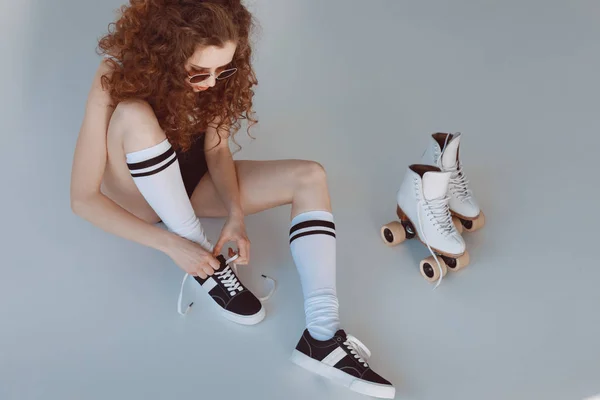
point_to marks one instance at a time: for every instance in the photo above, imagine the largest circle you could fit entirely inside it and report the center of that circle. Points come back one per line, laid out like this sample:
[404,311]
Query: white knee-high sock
[156,173]
[313,246]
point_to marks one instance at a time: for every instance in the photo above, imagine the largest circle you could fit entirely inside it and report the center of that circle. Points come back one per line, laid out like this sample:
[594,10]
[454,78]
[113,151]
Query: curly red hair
[153,39]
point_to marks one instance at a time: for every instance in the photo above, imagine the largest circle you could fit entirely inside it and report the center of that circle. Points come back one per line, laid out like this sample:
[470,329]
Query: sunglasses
[198,78]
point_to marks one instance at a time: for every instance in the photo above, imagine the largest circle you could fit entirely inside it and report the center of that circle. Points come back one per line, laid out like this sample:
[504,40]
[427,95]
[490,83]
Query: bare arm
[88,202]
[222,170]
[89,163]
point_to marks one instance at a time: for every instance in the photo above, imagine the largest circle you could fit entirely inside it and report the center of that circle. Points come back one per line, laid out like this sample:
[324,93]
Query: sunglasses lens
[199,78]
[227,73]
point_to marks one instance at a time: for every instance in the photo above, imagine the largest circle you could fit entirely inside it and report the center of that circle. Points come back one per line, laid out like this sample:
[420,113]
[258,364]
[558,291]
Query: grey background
[357,86]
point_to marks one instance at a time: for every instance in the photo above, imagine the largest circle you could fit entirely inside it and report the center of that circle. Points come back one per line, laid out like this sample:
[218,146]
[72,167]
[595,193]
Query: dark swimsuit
[192,164]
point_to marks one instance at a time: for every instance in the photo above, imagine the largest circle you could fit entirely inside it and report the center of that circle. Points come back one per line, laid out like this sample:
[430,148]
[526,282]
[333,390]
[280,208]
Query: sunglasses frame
[209,74]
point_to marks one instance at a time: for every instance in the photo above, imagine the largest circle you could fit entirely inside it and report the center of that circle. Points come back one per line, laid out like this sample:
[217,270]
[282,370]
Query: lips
[202,88]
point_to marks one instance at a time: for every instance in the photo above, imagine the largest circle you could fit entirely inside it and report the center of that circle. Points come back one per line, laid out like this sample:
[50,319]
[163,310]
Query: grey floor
[358,86]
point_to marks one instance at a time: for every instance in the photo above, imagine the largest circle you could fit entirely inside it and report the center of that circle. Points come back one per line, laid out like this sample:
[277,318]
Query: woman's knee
[135,126]
[311,173]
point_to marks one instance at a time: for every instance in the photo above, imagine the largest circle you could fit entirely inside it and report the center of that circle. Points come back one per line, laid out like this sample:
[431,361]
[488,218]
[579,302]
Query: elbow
[80,203]
[77,205]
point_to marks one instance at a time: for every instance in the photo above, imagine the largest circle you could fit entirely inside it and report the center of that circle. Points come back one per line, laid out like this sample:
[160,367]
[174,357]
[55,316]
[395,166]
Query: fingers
[204,271]
[213,263]
[243,247]
[208,265]
[201,274]
[244,251]
[220,243]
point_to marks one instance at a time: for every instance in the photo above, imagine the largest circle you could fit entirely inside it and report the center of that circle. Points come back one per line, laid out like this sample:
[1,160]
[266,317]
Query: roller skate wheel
[430,270]
[454,264]
[393,233]
[476,224]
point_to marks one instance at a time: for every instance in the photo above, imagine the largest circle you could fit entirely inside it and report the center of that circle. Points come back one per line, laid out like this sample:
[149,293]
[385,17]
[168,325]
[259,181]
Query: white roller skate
[422,206]
[443,152]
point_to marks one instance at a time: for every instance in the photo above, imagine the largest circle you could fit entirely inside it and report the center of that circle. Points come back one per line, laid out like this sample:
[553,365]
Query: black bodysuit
[192,164]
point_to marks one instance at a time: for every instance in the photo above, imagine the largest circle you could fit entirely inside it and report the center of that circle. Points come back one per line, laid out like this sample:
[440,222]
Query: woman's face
[209,60]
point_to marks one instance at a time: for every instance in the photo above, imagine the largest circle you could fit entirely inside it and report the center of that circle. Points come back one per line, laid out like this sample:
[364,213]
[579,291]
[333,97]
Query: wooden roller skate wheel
[393,233]
[430,270]
[475,224]
[454,264]
[458,224]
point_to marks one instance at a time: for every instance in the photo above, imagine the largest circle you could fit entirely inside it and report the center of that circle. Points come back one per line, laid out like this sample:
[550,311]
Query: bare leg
[268,184]
[117,184]
[155,178]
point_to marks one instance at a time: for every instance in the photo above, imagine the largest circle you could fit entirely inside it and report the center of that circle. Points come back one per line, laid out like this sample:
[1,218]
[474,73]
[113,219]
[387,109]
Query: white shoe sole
[244,319]
[351,382]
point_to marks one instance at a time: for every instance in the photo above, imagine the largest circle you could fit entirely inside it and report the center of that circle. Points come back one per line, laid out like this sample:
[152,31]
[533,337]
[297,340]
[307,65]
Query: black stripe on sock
[156,171]
[153,161]
[309,224]
[312,233]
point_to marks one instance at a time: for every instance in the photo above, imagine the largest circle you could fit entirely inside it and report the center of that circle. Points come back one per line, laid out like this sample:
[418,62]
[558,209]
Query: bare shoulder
[133,113]
[136,123]
[135,110]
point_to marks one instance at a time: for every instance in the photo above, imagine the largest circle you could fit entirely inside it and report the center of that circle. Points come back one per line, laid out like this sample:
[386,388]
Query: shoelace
[439,210]
[358,349]
[460,184]
[458,181]
[268,278]
[229,280]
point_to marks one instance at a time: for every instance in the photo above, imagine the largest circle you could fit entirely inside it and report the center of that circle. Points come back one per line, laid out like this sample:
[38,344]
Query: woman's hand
[234,230]
[192,258]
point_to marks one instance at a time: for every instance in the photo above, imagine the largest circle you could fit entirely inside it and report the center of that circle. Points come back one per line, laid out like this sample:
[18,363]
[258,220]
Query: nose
[211,81]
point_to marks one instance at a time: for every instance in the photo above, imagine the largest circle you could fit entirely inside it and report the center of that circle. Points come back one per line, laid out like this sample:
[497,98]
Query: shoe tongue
[450,154]
[435,184]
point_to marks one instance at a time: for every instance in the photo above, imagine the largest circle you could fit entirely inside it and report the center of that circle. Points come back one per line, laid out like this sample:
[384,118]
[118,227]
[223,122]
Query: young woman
[154,146]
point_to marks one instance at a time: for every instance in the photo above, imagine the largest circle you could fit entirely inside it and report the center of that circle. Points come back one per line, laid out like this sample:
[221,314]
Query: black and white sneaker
[343,359]
[237,303]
